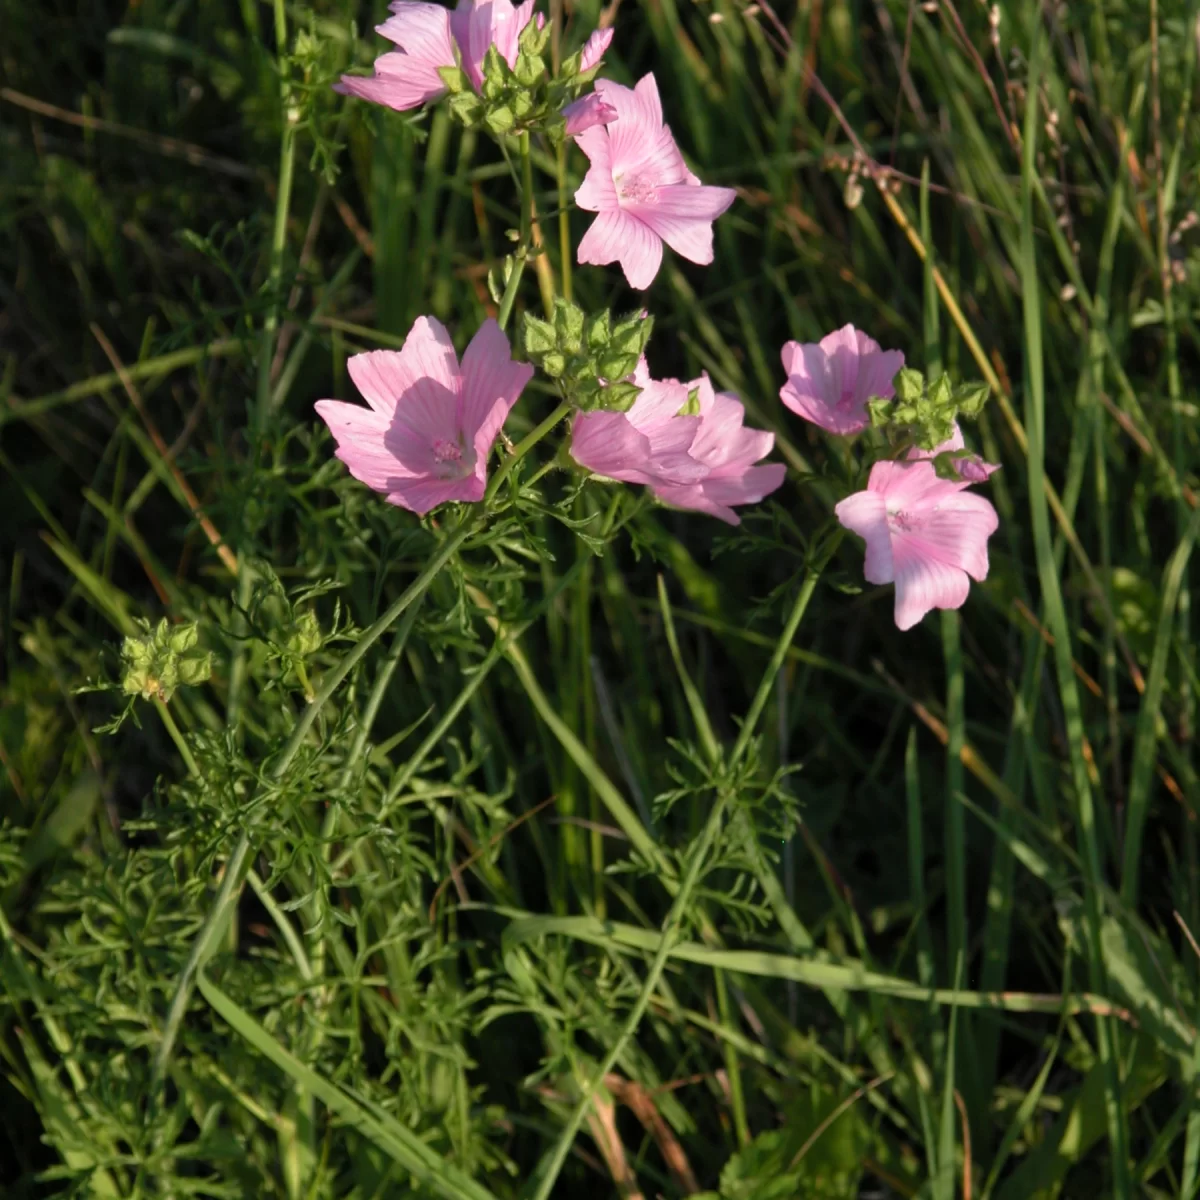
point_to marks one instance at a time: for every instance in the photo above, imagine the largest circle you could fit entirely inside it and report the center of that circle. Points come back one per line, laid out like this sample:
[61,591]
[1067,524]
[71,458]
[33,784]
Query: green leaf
[401,1144]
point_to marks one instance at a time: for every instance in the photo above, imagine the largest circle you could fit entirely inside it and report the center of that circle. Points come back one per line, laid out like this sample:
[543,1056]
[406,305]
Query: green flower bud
[568,325]
[500,120]
[598,330]
[540,337]
[879,410]
[466,107]
[909,385]
[305,638]
[157,662]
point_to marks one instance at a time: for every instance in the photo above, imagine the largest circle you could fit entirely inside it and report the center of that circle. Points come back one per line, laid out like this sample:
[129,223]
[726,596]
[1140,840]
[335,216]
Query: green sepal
[455,79]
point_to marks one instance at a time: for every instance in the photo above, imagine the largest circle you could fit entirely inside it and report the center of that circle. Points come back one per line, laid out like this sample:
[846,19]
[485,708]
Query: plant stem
[510,290]
[699,852]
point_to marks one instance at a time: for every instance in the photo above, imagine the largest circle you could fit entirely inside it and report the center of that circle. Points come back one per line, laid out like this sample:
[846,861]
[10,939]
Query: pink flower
[431,424]
[426,35]
[830,381]
[971,468]
[587,111]
[925,534]
[703,462]
[641,189]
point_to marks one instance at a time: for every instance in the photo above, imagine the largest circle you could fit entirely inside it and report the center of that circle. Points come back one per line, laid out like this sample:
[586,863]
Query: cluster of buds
[162,659]
[924,412]
[592,356]
[524,96]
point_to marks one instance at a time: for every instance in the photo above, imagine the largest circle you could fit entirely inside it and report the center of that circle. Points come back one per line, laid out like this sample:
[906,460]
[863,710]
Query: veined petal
[391,89]
[865,513]
[359,433]
[491,384]
[594,48]
[682,216]
[923,584]
[954,533]
[616,236]
[596,192]
[422,495]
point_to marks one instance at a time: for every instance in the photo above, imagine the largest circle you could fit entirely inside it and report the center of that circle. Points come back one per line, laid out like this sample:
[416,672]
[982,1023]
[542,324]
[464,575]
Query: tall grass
[549,869]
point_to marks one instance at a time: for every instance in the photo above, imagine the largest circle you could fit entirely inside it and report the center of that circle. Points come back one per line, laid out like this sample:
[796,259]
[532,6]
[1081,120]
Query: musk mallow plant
[432,419]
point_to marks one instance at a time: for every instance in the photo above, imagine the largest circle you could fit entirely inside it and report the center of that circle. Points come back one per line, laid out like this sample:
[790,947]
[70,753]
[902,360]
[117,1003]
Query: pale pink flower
[642,190]
[971,468]
[431,424]
[830,381]
[587,111]
[925,534]
[648,444]
[704,462]
[425,36]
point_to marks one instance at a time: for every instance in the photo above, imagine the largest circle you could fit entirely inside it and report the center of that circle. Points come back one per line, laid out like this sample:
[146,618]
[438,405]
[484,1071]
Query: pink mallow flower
[704,462]
[425,37]
[431,424]
[830,381]
[927,535]
[641,189]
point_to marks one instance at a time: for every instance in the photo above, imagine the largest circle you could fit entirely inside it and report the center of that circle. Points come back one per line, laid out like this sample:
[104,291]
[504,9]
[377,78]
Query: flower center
[450,461]
[901,522]
[639,189]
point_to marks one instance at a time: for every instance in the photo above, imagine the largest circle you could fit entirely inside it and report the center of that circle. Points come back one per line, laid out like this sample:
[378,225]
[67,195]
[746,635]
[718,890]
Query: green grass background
[945,943]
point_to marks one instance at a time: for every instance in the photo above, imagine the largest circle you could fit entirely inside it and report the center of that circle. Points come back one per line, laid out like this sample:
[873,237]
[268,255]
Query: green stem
[564,225]
[283,202]
[699,853]
[510,290]
[185,750]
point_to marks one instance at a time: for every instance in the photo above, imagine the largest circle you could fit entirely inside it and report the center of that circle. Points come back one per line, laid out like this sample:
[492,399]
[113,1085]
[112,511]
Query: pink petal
[359,433]
[954,533]
[422,495]
[922,584]
[581,115]
[491,383]
[641,144]
[608,444]
[390,90]
[595,48]
[597,192]
[658,402]
[615,236]
[408,77]
[718,496]
[865,513]
[381,376]
[830,382]
[682,216]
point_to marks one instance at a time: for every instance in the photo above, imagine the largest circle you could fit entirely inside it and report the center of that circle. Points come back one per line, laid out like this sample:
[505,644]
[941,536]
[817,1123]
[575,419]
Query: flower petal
[422,495]
[408,77]
[616,236]
[491,384]
[865,513]
[922,584]
[682,216]
[580,116]
[594,48]
[359,433]
[596,193]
